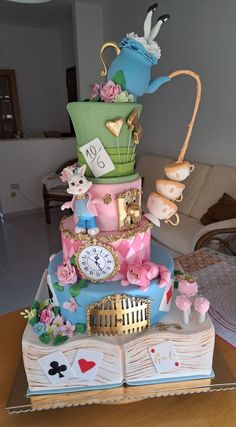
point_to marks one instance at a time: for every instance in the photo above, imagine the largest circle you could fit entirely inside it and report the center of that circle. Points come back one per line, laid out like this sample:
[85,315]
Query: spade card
[164,357]
[56,367]
[86,364]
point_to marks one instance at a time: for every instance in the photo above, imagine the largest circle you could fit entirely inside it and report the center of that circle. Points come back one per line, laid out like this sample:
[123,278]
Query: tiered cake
[95,322]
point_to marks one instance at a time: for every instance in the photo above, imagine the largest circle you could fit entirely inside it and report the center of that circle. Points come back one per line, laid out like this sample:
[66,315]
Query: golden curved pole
[105,46]
[195,110]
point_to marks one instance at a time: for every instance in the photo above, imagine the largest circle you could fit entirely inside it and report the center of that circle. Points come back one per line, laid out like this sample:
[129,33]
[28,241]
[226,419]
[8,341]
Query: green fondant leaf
[33,321]
[35,305]
[60,339]
[56,310]
[75,290]
[119,79]
[45,338]
[80,327]
[58,287]
[72,261]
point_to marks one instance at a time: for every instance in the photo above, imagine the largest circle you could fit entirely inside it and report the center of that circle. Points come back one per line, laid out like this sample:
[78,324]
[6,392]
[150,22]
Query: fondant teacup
[162,208]
[170,189]
[178,171]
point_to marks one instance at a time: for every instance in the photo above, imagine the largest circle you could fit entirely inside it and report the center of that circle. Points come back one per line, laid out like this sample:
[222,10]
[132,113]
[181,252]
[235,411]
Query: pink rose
[66,274]
[109,90]
[46,316]
[95,90]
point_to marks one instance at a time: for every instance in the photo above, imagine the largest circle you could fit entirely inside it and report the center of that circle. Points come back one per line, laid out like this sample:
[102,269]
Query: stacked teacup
[161,205]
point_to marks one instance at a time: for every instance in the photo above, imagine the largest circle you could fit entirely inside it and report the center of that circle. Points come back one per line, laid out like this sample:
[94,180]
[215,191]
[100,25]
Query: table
[206,409]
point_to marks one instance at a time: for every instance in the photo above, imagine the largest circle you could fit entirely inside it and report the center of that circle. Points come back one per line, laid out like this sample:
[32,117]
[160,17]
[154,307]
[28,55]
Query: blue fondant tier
[94,292]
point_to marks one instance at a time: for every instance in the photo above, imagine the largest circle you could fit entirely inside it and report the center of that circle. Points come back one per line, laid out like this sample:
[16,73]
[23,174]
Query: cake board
[19,403]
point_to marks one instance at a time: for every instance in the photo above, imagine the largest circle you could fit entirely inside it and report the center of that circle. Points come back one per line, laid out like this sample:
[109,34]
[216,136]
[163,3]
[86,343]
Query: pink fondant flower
[109,90]
[47,316]
[66,274]
[96,90]
[71,305]
[68,329]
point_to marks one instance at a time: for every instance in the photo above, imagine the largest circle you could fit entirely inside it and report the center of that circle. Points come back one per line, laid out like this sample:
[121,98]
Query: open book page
[191,355]
[92,363]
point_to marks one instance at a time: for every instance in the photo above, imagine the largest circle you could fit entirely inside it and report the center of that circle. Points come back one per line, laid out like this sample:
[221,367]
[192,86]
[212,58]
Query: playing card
[164,357]
[56,367]
[167,297]
[86,364]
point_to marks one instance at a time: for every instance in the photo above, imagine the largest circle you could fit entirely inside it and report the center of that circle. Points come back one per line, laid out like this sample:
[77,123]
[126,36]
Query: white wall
[88,32]
[39,57]
[26,162]
[199,36]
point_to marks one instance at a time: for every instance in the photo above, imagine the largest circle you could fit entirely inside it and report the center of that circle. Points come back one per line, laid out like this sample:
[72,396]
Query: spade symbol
[56,369]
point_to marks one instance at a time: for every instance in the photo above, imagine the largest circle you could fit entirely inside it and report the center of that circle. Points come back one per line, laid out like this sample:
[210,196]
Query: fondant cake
[95,322]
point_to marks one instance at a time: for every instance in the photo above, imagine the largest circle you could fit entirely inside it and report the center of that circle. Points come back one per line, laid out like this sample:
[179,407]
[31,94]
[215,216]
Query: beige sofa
[204,187]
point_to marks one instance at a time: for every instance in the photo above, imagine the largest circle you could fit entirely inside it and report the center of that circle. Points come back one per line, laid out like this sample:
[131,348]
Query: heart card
[86,364]
[56,367]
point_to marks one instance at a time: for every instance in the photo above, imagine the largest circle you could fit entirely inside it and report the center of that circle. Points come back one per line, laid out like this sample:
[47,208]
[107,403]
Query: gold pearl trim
[113,237]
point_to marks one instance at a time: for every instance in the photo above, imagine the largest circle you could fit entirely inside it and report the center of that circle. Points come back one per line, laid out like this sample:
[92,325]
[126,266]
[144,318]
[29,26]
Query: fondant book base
[165,353]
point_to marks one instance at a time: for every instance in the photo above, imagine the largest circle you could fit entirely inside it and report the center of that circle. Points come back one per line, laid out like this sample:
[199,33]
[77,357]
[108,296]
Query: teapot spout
[155,84]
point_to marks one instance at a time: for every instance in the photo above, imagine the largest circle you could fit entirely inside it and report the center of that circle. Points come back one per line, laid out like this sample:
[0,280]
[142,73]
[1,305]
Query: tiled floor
[26,242]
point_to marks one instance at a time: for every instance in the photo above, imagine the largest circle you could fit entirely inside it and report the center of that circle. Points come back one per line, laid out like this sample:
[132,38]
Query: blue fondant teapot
[135,58]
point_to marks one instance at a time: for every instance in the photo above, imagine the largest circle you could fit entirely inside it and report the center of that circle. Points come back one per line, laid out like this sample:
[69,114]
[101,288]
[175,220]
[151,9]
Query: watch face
[97,262]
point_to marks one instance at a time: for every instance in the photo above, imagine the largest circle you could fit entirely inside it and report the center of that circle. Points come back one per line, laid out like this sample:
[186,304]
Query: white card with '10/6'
[97,158]
[164,357]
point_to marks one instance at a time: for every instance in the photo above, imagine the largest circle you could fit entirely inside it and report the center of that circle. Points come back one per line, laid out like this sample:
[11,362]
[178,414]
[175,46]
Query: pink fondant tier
[128,244]
[106,202]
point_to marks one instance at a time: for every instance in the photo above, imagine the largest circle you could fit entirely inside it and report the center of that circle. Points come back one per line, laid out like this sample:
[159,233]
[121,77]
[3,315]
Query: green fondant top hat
[112,124]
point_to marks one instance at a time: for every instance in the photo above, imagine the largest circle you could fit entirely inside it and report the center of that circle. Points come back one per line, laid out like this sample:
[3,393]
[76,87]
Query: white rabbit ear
[158,25]
[69,172]
[82,170]
[148,21]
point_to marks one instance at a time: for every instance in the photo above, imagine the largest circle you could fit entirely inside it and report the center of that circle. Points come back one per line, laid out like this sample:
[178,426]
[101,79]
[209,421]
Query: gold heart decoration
[115,126]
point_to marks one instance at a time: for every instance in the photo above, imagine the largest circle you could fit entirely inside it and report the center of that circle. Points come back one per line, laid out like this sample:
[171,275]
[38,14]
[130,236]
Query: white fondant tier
[128,245]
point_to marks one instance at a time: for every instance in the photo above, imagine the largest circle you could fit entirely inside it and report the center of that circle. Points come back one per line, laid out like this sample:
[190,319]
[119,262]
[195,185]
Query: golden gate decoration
[118,315]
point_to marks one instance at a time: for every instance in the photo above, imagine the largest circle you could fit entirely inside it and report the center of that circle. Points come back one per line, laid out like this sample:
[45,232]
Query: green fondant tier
[121,169]
[115,180]
[116,158]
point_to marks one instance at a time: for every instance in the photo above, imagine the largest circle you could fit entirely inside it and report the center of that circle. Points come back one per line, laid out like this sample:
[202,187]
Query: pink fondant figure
[201,305]
[82,204]
[184,303]
[188,286]
[141,274]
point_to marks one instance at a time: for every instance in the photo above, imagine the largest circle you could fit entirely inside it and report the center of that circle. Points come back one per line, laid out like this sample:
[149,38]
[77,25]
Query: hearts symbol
[86,365]
[114,126]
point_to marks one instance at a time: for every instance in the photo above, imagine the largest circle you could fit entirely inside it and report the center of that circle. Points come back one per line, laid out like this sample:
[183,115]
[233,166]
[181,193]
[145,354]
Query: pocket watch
[97,261]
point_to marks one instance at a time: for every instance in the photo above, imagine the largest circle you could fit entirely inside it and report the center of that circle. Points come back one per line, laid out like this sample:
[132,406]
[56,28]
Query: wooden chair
[57,194]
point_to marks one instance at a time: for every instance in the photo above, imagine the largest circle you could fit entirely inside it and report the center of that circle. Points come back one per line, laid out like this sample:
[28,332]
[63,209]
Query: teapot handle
[105,46]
